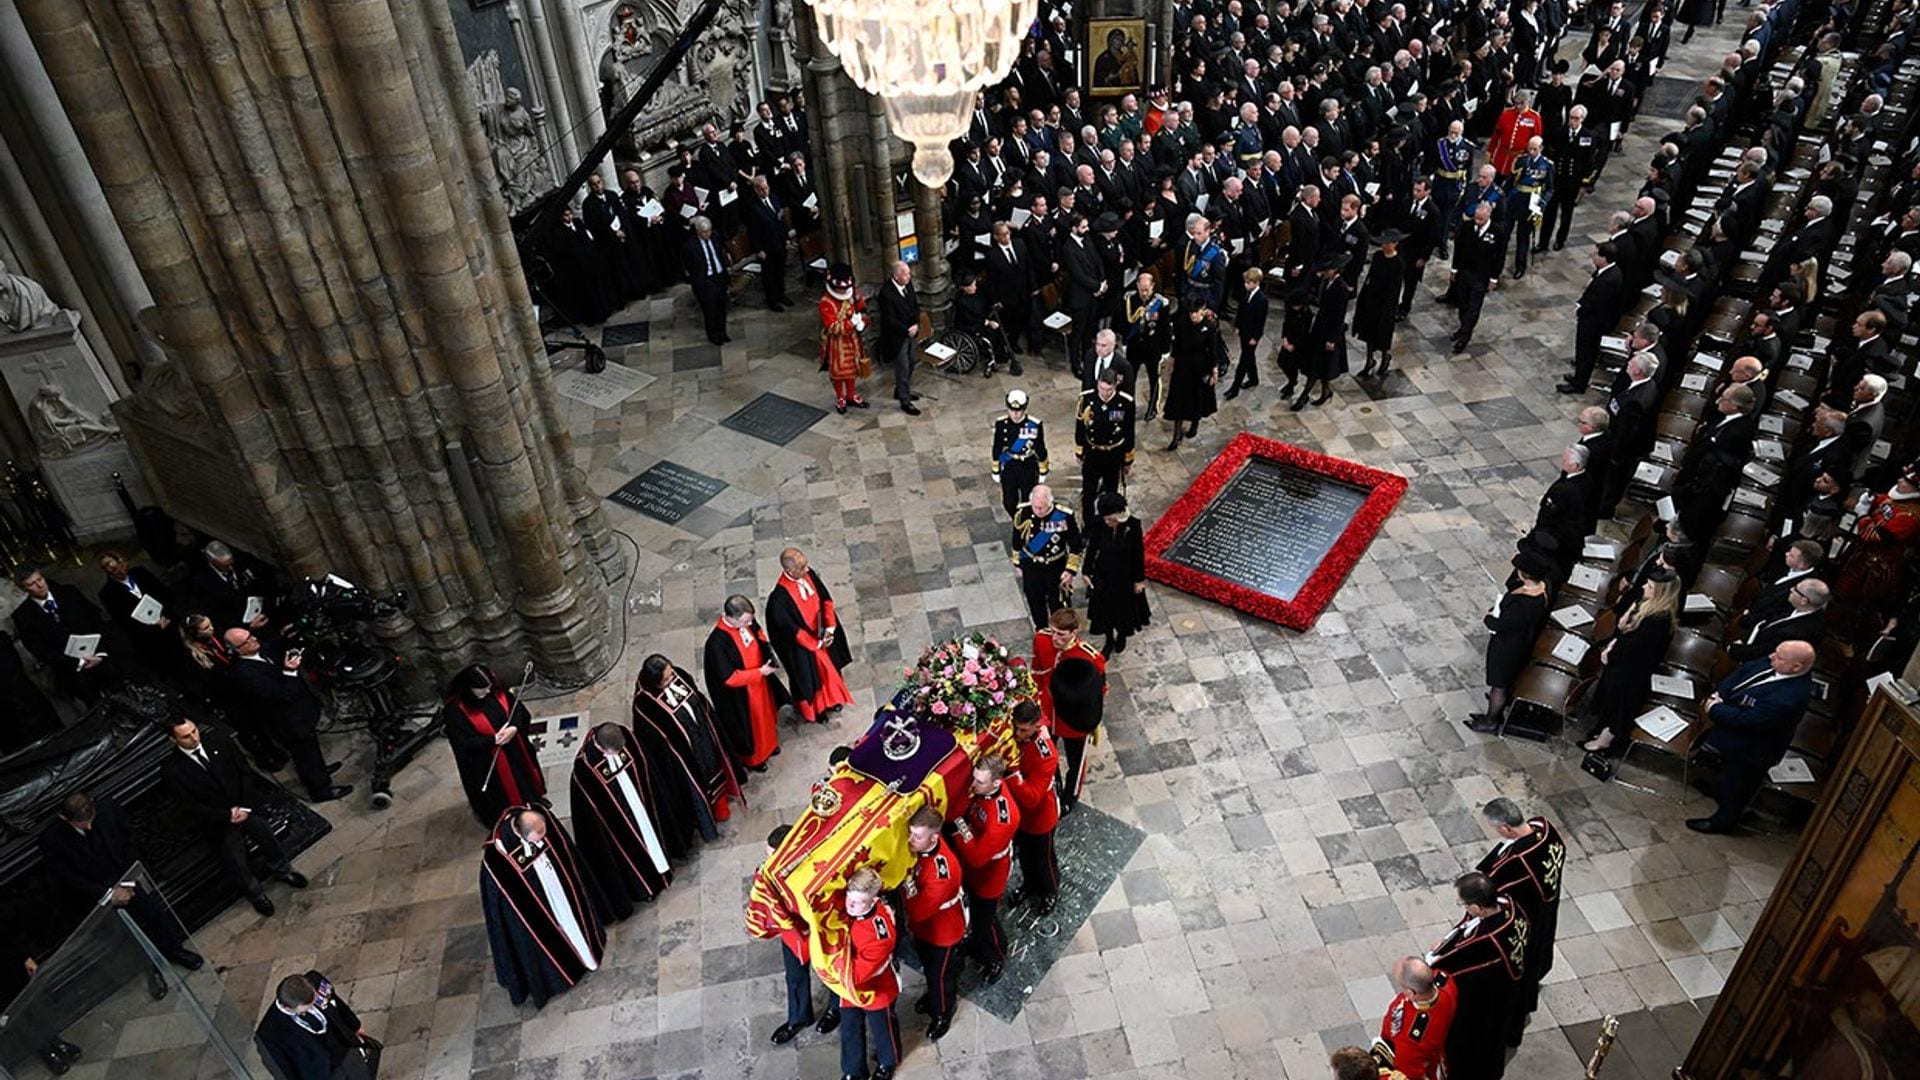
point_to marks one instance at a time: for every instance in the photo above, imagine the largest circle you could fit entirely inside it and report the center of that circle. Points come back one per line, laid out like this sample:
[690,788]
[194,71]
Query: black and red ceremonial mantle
[1299,611]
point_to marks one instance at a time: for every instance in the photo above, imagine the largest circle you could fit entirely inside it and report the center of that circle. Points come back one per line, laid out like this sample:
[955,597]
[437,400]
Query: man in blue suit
[1754,713]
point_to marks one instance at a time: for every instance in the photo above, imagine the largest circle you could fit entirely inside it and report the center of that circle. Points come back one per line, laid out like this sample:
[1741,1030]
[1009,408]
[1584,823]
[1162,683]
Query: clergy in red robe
[488,732]
[673,722]
[749,700]
[545,913]
[805,631]
[1484,956]
[613,818]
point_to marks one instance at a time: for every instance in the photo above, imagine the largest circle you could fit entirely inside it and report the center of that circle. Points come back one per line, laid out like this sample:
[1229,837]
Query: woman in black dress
[1639,644]
[1197,360]
[1294,328]
[1515,620]
[1326,345]
[1379,300]
[1116,571]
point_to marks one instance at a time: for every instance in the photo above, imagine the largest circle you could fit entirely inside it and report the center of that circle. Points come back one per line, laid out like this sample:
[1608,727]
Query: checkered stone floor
[1305,799]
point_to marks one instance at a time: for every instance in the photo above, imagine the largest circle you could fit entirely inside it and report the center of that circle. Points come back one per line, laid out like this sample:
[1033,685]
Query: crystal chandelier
[925,59]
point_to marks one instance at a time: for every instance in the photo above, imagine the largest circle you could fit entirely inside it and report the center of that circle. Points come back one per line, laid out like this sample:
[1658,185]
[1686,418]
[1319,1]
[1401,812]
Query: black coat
[1115,560]
[783,624]
[160,646]
[1478,254]
[1601,301]
[29,716]
[766,230]
[1627,677]
[899,318]
[208,795]
[284,699]
[1080,265]
[1326,343]
[1379,300]
[84,866]
[1514,629]
[291,1052]
[1197,353]
[223,601]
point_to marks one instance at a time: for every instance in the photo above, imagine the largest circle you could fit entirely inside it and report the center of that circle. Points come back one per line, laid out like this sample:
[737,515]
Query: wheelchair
[986,351]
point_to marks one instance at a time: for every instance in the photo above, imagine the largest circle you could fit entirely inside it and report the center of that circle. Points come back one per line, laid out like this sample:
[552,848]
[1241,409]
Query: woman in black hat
[1115,567]
[1515,619]
[1379,300]
[1198,360]
[1294,328]
[1326,345]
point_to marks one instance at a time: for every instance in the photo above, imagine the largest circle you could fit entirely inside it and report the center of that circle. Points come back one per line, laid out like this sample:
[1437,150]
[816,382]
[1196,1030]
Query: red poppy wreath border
[1299,613]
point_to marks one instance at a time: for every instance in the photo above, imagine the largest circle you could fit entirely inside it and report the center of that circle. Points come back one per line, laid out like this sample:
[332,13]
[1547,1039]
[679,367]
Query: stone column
[852,158]
[306,189]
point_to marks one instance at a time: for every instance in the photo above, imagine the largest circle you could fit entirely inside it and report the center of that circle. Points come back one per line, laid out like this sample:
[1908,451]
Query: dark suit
[1011,278]
[1796,487]
[706,266]
[159,646]
[1709,470]
[1815,238]
[288,708]
[1598,313]
[899,324]
[208,795]
[45,636]
[1771,601]
[1762,635]
[767,234]
[1864,425]
[83,865]
[1303,243]
[1477,258]
[1633,409]
[1080,266]
[1249,326]
[1752,727]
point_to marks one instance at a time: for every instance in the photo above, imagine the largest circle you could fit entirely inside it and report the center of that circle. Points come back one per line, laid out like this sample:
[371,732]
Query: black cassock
[293,1051]
[784,624]
[533,956]
[719,660]
[687,764]
[1486,963]
[515,768]
[1528,872]
[614,812]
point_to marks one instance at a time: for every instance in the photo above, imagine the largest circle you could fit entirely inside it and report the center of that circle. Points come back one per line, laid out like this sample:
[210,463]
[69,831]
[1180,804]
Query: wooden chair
[1555,638]
[1741,541]
[1719,584]
[1693,652]
[1548,690]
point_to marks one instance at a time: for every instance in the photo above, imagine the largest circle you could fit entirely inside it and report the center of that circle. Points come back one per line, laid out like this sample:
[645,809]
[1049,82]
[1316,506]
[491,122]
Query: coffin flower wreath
[967,683]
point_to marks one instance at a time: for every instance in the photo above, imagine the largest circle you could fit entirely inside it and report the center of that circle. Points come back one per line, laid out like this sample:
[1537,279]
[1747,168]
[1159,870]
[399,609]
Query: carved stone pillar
[852,157]
[306,189]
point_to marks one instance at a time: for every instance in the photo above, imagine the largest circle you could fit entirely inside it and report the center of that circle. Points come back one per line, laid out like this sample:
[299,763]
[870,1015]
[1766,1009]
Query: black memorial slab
[776,419]
[668,492]
[1269,527]
[1092,848]
[633,333]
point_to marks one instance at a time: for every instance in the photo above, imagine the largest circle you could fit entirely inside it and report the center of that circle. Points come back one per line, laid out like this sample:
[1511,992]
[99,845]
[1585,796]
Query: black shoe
[938,1027]
[828,1023]
[840,407]
[55,1064]
[1153,414]
[66,1049]
[757,768]
[1043,905]
[156,985]
[1568,387]
[859,403]
[1519,272]
[884,1072]
[922,1007]
[911,396]
[1287,390]
[260,903]
[1559,245]
[994,971]
[186,957]
[1076,371]
[1326,395]
[338,791]
[1175,444]
[909,408]
[1015,367]
[334,767]
[1233,392]
[1707,825]
[1193,430]
[784,1034]
[1299,402]
[1483,723]
[292,877]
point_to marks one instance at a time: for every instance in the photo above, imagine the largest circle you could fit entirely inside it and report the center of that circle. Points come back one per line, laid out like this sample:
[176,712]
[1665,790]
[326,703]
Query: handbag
[1599,766]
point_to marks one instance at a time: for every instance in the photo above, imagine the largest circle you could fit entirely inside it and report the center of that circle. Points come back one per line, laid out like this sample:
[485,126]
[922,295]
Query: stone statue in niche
[723,55]
[711,83]
[24,305]
[513,132]
[60,428]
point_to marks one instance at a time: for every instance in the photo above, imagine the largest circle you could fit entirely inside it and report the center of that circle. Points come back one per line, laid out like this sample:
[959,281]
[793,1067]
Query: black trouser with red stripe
[858,1027]
[1039,870]
[942,969]
[1073,759]
[985,941]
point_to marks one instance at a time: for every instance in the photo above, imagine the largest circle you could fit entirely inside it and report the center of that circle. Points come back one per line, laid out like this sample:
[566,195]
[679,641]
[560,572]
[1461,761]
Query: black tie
[200,757]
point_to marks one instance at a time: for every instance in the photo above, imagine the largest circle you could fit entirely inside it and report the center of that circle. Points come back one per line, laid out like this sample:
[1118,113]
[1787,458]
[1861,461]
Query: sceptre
[512,701]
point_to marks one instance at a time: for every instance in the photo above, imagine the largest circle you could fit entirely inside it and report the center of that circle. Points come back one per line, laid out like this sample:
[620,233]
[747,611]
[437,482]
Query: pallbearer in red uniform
[545,915]
[498,767]
[872,935]
[614,806]
[1526,868]
[1034,790]
[805,631]
[1413,1034]
[673,722]
[1484,956]
[795,950]
[983,838]
[749,700]
[1083,686]
[936,918]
